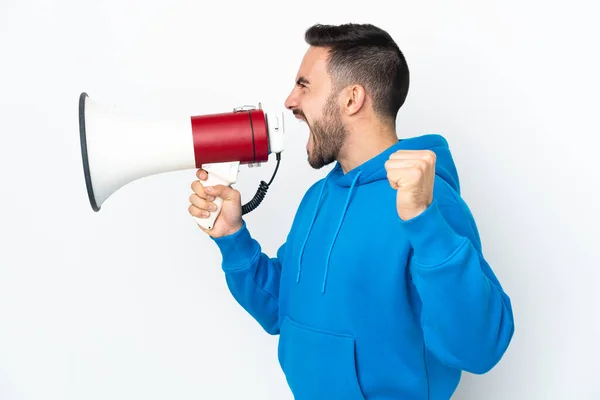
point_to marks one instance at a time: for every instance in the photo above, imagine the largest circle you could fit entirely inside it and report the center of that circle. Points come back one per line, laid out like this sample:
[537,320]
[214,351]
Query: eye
[302,82]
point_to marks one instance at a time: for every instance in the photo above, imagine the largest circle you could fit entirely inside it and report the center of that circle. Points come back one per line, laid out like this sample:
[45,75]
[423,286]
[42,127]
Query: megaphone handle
[209,222]
[218,174]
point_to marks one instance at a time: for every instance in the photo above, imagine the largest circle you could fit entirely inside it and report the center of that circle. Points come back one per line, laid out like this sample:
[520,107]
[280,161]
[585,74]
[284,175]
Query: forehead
[314,66]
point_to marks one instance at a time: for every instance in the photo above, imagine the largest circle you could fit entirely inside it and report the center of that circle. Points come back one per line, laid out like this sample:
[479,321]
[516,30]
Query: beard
[328,134]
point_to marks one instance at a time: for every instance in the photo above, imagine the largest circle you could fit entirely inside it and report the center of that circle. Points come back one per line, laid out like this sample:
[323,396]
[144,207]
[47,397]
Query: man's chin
[316,163]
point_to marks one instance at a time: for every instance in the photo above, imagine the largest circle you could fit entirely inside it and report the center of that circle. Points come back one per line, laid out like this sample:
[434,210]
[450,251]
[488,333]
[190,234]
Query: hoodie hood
[374,170]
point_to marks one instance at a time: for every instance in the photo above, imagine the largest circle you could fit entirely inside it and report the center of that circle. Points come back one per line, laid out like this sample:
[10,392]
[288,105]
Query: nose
[291,102]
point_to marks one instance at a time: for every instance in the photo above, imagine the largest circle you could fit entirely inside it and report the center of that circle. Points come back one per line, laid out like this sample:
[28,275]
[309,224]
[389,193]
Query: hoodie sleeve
[252,277]
[466,316]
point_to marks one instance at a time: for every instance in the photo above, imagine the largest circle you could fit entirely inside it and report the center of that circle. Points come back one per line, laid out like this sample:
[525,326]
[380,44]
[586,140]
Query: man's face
[313,101]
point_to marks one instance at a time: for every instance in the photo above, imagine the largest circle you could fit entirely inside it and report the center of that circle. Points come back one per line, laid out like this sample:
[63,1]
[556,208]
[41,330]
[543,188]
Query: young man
[381,290]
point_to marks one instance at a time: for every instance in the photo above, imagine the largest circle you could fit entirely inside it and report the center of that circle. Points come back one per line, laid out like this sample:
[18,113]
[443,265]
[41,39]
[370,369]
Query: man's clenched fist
[412,173]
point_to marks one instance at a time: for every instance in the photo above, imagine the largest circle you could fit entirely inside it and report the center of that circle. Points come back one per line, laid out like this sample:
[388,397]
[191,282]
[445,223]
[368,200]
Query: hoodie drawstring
[338,229]
[311,226]
[352,186]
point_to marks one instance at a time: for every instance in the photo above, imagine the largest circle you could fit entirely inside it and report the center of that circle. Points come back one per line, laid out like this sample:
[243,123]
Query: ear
[354,99]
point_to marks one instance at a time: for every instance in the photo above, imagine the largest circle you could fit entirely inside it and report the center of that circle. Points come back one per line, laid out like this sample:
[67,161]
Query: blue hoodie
[369,306]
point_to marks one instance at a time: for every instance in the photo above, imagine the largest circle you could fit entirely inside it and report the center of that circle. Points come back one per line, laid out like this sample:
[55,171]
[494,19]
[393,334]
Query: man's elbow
[272,329]
[488,355]
[270,325]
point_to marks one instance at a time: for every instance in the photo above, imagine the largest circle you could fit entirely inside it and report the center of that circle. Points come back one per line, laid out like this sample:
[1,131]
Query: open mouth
[300,118]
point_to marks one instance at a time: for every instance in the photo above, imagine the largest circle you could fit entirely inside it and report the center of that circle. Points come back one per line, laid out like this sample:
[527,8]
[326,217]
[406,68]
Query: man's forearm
[252,277]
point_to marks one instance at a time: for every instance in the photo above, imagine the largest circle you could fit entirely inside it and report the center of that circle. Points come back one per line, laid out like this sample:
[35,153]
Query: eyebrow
[302,80]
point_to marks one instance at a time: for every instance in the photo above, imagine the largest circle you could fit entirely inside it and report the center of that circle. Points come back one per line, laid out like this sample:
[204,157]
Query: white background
[130,303]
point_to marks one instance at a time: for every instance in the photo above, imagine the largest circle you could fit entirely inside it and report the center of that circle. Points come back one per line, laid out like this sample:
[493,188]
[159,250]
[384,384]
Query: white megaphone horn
[117,149]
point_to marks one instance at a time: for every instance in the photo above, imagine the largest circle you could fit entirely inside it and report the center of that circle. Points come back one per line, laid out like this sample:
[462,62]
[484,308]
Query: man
[380,290]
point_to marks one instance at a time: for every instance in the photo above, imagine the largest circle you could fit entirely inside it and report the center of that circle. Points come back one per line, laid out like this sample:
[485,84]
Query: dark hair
[367,55]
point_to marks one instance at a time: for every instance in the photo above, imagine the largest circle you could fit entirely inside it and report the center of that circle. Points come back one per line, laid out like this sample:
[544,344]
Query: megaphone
[117,148]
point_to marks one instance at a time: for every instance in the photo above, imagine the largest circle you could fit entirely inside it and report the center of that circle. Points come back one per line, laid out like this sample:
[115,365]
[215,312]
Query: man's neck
[360,147]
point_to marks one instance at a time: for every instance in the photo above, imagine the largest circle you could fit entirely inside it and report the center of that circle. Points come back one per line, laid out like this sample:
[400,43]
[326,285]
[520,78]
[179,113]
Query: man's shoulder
[446,193]
[307,202]
[312,191]
[455,209]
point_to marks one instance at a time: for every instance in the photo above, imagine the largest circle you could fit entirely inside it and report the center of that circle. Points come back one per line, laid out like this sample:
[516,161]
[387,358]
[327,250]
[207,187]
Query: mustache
[299,113]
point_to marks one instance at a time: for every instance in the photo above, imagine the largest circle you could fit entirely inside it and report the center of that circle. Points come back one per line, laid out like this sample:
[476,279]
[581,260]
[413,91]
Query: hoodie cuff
[432,238]
[238,249]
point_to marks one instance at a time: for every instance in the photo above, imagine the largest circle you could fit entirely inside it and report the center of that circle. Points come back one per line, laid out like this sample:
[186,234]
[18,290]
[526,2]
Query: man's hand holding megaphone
[202,204]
